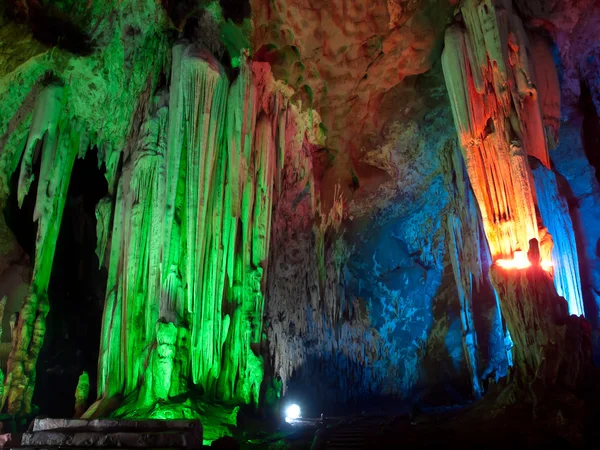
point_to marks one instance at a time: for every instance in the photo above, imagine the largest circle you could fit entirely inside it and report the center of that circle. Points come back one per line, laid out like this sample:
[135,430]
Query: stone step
[49,434]
[98,439]
[48,424]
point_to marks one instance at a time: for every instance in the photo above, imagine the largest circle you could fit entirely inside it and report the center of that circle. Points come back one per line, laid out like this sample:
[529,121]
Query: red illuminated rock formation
[492,86]
[343,57]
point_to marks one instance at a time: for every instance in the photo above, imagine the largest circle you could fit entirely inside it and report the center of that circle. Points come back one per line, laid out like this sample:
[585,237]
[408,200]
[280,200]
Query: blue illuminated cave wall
[576,160]
[386,322]
[390,326]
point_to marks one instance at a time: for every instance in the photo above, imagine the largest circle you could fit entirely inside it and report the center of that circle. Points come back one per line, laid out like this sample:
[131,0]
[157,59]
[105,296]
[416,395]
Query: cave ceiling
[315,186]
[357,63]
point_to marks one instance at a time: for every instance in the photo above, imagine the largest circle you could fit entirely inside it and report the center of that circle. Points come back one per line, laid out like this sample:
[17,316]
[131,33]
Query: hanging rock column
[492,68]
[190,237]
[497,117]
[60,144]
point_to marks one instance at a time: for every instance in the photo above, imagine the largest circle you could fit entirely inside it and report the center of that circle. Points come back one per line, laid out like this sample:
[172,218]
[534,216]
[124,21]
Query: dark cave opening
[76,294]
[591,129]
[77,286]
[20,220]
[236,10]
[51,25]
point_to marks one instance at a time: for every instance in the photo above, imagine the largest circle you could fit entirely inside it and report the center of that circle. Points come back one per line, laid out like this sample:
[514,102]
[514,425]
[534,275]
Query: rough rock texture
[288,209]
[342,57]
[491,83]
[553,350]
[389,278]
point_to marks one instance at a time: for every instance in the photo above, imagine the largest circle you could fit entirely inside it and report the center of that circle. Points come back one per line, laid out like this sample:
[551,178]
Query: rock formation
[345,202]
[553,350]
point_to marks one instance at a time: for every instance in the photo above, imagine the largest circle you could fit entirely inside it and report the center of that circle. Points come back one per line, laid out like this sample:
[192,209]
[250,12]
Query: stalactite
[103,216]
[490,80]
[130,315]
[305,283]
[61,140]
[190,237]
[204,92]
[45,120]
[548,87]
[505,99]
[464,245]
[470,258]
[555,214]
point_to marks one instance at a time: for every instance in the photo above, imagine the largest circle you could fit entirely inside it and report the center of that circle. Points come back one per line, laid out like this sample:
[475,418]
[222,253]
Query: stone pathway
[111,434]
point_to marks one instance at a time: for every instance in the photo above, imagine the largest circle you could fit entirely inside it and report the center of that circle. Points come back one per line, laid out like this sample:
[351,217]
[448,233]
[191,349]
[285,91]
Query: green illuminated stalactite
[100,95]
[130,315]
[110,369]
[61,141]
[103,216]
[205,83]
[190,238]
[185,232]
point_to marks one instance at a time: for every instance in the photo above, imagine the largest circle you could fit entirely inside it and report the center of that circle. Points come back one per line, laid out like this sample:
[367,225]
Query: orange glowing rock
[490,79]
[520,261]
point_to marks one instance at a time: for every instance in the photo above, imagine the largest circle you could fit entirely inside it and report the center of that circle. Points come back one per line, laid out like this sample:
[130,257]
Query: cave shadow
[443,375]
[333,385]
[585,269]
[76,295]
[590,128]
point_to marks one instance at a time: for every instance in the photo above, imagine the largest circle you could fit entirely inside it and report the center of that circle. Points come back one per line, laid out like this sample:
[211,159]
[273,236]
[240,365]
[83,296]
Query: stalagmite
[552,349]
[82,393]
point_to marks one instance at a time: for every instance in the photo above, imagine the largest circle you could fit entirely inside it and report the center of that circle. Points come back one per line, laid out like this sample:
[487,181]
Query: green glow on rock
[185,228]
[189,246]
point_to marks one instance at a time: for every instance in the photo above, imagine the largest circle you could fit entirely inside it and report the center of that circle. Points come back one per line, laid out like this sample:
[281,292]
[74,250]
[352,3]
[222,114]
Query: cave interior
[300,224]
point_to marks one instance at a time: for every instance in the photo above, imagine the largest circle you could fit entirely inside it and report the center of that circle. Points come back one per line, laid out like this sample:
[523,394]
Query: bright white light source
[292,412]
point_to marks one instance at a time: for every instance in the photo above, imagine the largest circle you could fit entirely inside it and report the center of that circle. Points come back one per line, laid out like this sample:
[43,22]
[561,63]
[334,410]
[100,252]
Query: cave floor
[479,426]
